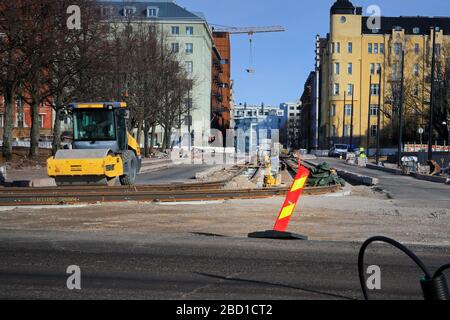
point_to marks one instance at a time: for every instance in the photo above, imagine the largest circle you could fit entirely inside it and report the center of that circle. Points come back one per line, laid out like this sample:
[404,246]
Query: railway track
[207,191]
[43,196]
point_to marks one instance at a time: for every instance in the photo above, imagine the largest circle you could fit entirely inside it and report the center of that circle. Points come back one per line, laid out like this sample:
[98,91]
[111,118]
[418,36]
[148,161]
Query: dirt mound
[240,182]
[21,160]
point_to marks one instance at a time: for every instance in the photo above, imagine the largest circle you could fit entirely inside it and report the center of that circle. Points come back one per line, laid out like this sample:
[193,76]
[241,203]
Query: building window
[416,30]
[189,48]
[350,47]
[336,89]
[20,120]
[347,130]
[333,110]
[372,68]
[190,31]
[438,49]
[106,11]
[373,110]
[42,121]
[333,131]
[375,89]
[152,12]
[337,68]
[128,11]
[373,131]
[189,65]
[416,70]
[378,70]
[416,90]
[394,71]
[417,49]
[350,68]
[348,110]
[375,48]
[370,48]
[175,47]
[382,48]
[338,47]
[397,48]
[175,30]
[349,89]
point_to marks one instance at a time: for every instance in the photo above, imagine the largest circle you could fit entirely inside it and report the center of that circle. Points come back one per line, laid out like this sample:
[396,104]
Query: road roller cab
[102,149]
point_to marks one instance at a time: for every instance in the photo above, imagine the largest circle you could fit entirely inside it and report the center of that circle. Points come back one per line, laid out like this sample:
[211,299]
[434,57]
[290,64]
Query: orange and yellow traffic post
[288,209]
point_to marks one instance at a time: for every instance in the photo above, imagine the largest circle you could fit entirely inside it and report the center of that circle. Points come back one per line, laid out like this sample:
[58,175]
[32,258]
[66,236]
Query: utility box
[409,165]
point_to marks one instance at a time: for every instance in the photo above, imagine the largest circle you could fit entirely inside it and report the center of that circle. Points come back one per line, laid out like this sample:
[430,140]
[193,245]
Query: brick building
[22,120]
[221,82]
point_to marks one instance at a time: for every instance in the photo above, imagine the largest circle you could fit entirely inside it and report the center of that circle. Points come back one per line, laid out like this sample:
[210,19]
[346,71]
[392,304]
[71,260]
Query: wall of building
[348,28]
[221,82]
[254,122]
[21,130]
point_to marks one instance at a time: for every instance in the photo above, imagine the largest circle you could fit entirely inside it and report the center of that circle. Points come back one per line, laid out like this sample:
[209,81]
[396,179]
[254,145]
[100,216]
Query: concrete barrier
[48,182]
[436,179]
[358,178]
[384,169]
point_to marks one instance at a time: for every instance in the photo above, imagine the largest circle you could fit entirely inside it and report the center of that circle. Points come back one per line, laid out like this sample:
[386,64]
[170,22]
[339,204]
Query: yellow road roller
[102,150]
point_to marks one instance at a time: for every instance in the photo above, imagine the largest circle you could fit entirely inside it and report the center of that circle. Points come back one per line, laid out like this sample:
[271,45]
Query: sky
[282,61]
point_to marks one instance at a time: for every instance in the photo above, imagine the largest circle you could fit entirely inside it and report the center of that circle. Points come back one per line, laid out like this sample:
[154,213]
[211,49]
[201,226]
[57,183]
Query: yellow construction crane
[250,31]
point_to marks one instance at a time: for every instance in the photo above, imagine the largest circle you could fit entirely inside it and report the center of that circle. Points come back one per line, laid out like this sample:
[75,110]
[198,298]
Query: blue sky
[283,60]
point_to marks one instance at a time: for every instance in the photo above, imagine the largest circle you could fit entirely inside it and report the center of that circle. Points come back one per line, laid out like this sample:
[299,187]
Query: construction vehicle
[102,149]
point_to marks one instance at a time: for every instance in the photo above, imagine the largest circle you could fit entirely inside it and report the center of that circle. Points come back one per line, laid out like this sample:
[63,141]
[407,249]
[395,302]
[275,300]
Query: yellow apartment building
[360,70]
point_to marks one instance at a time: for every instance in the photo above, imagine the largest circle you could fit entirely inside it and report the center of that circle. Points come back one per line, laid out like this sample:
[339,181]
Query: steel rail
[61,198]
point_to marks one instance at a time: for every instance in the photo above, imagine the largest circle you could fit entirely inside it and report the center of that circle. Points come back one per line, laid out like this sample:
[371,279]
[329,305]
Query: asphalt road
[175,174]
[403,189]
[190,266]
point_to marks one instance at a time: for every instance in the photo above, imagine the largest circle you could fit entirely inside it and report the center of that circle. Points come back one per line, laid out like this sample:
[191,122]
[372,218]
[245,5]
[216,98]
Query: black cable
[394,243]
[441,270]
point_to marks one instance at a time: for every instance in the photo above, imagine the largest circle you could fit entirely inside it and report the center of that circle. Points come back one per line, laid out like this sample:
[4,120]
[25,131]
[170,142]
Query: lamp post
[351,122]
[368,115]
[400,134]
[378,119]
[431,115]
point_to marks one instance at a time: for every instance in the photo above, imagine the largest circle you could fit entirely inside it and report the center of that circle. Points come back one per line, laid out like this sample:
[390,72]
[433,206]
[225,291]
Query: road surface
[175,174]
[194,266]
[403,189]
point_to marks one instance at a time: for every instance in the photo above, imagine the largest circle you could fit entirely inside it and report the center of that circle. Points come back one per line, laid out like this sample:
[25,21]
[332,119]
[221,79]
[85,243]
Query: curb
[418,176]
[384,169]
[443,180]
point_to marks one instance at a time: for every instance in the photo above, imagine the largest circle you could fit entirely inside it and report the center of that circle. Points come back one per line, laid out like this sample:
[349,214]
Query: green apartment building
[187,34]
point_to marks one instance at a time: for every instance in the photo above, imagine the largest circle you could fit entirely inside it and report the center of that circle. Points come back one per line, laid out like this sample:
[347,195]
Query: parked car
[338,150]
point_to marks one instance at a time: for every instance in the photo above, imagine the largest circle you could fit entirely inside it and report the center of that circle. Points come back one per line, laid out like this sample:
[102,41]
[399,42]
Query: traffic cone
[288,209]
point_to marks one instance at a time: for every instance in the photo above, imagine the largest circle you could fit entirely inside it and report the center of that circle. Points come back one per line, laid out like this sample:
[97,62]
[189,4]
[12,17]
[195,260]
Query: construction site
[133,174]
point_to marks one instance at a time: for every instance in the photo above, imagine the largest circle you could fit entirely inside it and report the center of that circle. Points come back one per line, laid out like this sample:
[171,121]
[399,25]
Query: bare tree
[417,93]
[13,61]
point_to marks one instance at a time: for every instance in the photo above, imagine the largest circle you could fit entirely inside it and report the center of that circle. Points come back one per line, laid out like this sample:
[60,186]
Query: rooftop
[165,10]
[411,25]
